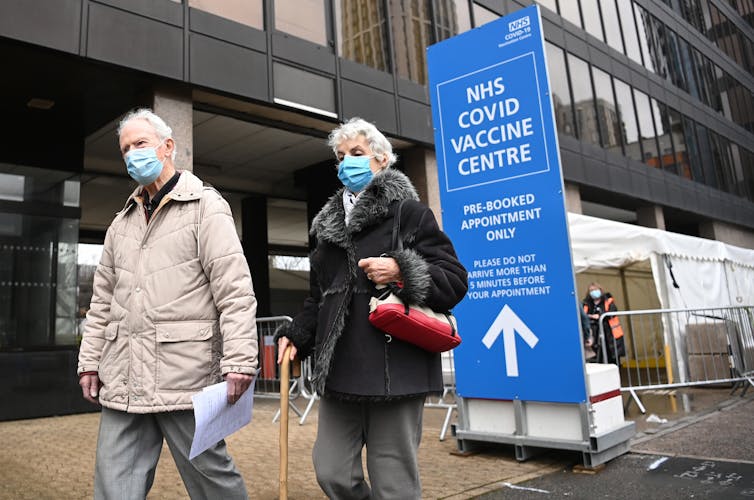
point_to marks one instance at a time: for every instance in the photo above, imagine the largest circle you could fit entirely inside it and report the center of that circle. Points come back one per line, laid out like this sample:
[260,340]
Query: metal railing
[267,384]
[672,348]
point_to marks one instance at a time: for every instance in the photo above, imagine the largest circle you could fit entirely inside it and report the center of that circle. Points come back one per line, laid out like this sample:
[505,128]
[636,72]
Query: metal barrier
[671,348]
[267,384]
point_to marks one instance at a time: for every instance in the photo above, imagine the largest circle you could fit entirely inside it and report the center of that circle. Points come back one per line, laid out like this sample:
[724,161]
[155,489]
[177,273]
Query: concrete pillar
[651,216]
[573,198]
[420,164]
[727,233]
[175,106]
[256,248]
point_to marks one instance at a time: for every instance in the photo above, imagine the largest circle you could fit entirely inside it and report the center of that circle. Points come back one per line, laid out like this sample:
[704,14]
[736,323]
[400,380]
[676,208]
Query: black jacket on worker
[353,359]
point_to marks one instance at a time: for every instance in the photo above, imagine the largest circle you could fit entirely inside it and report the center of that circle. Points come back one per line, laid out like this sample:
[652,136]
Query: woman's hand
[283,342]
[381,270]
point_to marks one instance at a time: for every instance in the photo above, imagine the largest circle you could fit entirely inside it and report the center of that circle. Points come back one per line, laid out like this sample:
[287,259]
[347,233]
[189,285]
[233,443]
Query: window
[361,28]
[628,28]
[302,18]
[452,18]
[692,146]
[483,16]
[612,24]
[592,21]
[248,12]
[675,125]
[626,113]
[37,258]
[607,113]
[561,95]
[412,33]
[583,100]
[643,29]
[570,11]
[647,129]
[707,160]
[668,158]
[549,4]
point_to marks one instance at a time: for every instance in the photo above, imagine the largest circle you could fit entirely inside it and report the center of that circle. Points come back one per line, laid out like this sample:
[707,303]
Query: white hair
[161,129]
[355,127]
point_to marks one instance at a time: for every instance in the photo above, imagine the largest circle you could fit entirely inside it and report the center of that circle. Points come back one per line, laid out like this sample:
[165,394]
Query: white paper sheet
[215,418]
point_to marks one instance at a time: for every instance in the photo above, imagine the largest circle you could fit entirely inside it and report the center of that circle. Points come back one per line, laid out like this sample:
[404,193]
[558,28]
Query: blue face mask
[354,172]
[595,294]
[143,166]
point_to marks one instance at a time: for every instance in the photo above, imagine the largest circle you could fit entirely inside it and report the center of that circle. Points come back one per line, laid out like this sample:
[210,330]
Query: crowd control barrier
[673,348]
[267,384]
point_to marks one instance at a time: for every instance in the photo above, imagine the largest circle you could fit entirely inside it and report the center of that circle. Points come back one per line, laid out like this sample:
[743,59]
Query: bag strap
[397,241]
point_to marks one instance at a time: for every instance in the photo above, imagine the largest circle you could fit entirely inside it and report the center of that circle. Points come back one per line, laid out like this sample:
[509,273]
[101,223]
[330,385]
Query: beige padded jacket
[173,306]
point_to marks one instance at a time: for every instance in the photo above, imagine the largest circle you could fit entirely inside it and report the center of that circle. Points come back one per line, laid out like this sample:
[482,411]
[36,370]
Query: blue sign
[501,190]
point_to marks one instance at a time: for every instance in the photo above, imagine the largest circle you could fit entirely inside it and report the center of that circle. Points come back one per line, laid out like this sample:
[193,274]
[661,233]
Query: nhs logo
[519,24]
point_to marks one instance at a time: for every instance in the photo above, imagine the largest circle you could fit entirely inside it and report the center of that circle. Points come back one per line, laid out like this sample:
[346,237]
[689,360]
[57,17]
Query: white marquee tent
[708,273]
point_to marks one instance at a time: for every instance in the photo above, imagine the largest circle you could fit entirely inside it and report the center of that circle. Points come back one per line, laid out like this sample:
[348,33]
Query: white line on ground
[514,487]
[657,463]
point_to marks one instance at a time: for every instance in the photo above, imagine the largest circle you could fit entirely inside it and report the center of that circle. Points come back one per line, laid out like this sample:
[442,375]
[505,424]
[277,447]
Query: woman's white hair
[161,128]
[355,127]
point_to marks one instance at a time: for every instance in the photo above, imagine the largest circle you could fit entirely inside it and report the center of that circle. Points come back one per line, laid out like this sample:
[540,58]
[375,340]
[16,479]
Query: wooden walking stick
[284,385]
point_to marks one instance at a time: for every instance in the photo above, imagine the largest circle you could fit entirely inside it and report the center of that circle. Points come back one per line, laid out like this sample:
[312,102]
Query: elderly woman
[372,386]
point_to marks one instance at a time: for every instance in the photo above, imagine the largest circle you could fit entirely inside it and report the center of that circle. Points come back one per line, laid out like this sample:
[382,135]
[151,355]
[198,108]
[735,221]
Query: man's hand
[237,385]
[90,386]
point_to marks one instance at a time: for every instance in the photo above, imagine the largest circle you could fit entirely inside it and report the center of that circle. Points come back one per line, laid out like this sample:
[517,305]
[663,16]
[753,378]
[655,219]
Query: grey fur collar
[389,186]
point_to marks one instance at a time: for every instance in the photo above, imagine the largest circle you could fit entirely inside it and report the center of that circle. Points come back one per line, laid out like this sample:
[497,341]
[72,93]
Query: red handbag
[421,326]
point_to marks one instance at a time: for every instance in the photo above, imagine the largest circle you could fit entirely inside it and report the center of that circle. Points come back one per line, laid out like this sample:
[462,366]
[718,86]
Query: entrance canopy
[688,271]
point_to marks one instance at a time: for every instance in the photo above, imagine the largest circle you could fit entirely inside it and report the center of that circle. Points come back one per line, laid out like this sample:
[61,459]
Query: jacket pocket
[108,362]
[184,354]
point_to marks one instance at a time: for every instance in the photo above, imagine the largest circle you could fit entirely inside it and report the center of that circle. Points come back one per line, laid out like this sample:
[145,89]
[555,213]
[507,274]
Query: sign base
[595,428]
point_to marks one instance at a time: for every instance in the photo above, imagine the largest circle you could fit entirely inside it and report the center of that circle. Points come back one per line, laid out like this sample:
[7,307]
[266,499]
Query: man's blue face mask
[354,172]
[143,165]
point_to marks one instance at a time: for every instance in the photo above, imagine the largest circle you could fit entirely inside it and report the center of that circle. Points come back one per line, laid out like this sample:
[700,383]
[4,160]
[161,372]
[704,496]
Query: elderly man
[173,311]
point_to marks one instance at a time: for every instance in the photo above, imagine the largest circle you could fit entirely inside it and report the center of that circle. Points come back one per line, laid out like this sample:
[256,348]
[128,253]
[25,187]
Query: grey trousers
[391,432]
[129,446]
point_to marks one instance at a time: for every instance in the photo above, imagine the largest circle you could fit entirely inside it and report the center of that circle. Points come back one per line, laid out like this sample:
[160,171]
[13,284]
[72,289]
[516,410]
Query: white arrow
[509,323]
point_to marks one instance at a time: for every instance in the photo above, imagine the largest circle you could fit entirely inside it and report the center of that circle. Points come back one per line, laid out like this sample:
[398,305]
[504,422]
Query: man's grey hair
[355,127]
[161,128]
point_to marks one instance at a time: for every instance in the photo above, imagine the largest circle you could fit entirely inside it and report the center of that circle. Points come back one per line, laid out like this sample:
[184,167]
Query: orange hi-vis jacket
[613,321]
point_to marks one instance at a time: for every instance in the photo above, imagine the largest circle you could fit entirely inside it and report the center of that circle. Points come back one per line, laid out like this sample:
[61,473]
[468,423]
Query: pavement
[707,447]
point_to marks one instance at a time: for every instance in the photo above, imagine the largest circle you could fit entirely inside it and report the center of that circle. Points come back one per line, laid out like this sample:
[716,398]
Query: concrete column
[651,216]
[256,248]
[727,233]
[573,198]
[175,106]
[420,165]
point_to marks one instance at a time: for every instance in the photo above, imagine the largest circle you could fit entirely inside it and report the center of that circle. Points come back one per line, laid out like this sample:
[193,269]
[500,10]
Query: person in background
[173,311]
[597,302]
[373,386]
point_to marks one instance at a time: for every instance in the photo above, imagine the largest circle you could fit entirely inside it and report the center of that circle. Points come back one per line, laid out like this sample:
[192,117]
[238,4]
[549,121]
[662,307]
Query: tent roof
[601,243]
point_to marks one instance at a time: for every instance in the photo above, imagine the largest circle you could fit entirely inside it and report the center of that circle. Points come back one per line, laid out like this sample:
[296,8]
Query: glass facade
[38,259]
[598,108]
[304,19]
[362,32]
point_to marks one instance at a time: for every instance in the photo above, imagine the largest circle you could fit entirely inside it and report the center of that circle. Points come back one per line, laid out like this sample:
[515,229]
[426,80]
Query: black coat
[353,359]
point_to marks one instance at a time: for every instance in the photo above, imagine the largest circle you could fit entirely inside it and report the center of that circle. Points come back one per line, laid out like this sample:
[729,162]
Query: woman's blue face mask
[595,294]
[354,172]
[143,165]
